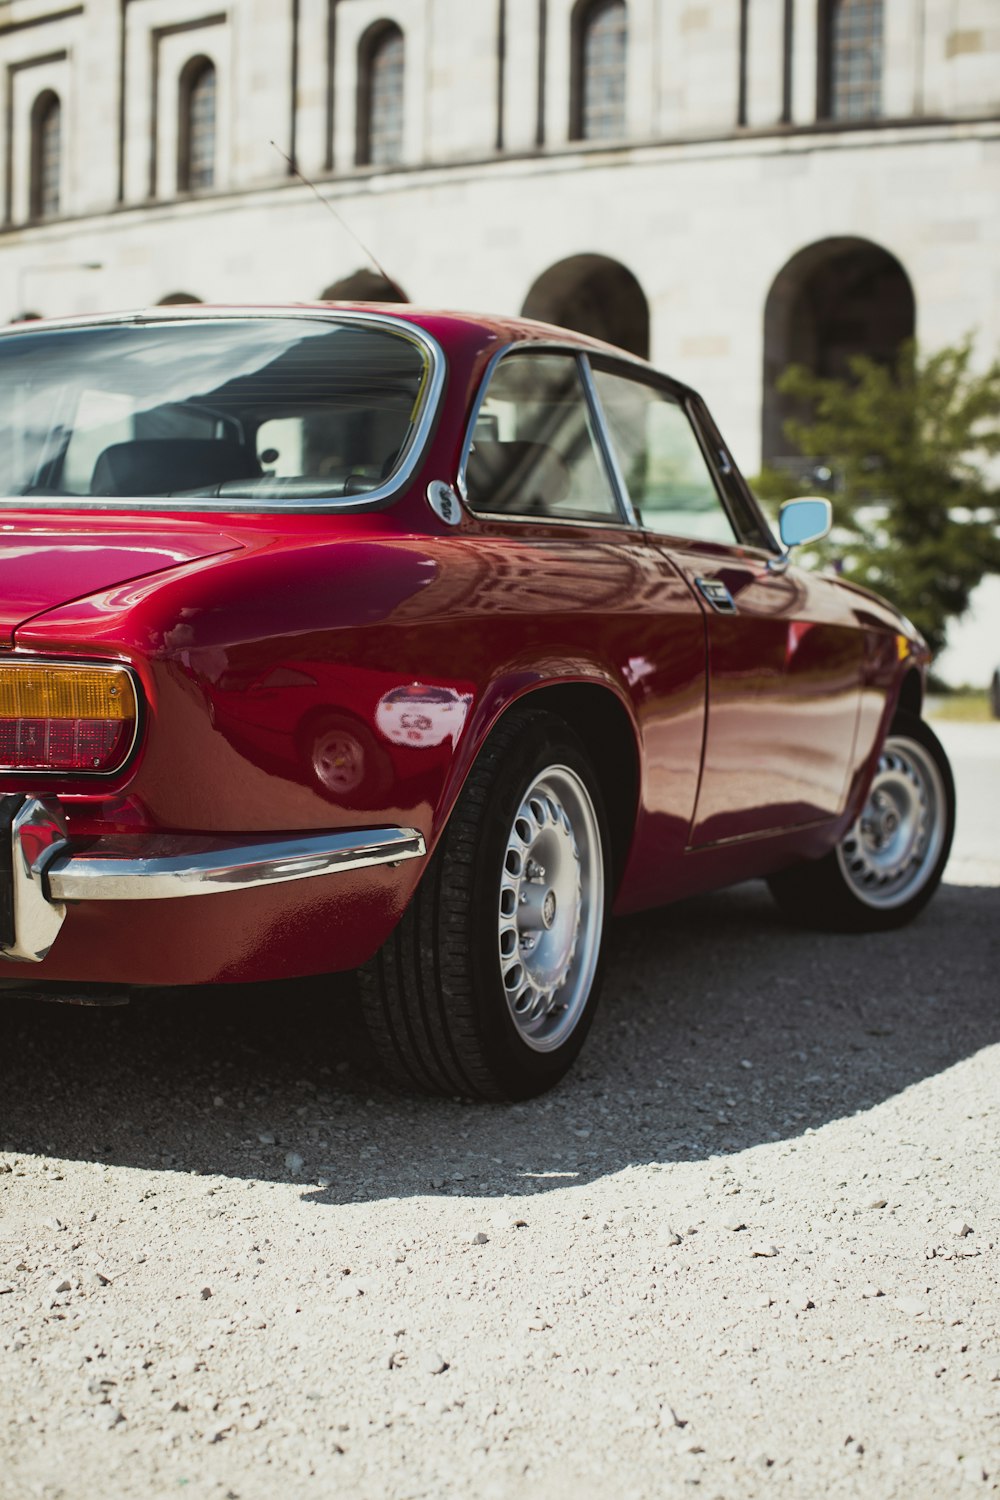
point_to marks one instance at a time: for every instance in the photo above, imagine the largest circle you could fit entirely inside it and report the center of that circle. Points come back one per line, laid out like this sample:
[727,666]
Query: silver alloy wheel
[892,850]
[551,908]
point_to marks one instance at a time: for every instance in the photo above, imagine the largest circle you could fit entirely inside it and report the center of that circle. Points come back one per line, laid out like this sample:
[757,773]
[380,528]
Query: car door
[561,554]
[784,652]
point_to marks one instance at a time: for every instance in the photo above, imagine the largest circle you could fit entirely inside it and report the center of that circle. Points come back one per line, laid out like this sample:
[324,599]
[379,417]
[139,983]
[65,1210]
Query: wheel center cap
[549,908]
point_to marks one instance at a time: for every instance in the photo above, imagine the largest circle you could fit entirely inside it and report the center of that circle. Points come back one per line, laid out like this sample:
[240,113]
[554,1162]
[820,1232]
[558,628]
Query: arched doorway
[833,300]
[595,295]
[364,286]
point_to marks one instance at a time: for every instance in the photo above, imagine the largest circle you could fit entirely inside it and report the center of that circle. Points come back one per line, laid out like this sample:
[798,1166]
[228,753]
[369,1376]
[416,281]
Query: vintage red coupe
[361,637]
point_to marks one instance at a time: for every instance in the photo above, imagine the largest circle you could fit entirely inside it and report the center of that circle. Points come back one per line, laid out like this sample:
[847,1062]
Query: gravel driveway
[749,1247]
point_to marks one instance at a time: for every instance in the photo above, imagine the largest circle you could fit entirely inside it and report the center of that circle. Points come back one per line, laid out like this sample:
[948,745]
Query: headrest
[530,478]
[162,466]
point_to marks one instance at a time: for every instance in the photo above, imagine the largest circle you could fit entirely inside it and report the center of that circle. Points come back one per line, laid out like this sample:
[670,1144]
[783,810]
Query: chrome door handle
[717,594]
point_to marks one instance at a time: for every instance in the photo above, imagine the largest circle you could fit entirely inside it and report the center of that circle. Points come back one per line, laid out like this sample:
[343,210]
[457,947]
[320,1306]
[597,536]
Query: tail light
[66,717]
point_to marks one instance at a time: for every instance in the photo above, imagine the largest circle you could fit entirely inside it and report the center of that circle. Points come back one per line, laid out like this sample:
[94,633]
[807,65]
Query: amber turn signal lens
[65,718]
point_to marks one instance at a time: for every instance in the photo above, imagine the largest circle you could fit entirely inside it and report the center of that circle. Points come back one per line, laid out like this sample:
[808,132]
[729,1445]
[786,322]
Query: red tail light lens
[65,718]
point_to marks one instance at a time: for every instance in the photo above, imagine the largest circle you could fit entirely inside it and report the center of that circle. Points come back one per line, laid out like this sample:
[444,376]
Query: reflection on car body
[419,715]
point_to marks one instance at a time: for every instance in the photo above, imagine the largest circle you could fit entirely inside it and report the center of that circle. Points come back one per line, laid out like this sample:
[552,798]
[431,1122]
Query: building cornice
[574,156]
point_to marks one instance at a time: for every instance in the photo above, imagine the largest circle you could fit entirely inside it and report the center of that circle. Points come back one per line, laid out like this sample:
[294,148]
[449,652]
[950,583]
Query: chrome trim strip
[200,867]
[627,518]
[477,406]
[232,505]
[545,346]
[512,518]
[600,421]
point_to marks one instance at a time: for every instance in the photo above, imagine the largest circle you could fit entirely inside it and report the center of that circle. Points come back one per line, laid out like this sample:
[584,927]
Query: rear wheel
[489,984]
[887,867]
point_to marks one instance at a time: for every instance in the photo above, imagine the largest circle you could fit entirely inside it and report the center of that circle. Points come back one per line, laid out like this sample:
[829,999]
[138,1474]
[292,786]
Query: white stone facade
[724,174]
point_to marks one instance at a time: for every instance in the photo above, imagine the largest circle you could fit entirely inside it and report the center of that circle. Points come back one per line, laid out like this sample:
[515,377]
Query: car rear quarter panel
[248,660]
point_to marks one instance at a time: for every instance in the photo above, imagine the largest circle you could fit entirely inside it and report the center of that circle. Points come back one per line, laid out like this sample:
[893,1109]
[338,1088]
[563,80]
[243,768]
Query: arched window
[600,35]
[381,61]
[834,299]
[363,286]
[595,295]
[46,156]
[851,59]
[196,126]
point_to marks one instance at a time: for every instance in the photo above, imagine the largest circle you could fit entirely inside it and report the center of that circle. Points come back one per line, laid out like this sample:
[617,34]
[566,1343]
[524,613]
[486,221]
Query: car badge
[444,502]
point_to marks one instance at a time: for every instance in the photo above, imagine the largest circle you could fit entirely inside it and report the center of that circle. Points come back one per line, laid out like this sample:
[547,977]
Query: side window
[662,462]
[534,451]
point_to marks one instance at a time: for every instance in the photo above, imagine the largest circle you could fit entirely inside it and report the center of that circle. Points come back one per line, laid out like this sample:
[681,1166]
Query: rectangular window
[534,450]
[665,471]
[853,87]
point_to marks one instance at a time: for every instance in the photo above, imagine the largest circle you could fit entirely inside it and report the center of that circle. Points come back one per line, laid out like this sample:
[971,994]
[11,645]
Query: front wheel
[489,984]
[888,866]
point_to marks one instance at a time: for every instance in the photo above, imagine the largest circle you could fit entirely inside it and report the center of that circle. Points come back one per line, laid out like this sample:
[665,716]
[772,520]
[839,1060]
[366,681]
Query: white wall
[705,230]
[704,215]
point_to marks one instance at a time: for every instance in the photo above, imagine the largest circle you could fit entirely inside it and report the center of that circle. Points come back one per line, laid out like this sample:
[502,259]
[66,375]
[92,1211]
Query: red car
[346,637]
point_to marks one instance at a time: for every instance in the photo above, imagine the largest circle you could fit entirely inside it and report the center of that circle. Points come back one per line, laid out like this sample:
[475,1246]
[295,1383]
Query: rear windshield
[256,409]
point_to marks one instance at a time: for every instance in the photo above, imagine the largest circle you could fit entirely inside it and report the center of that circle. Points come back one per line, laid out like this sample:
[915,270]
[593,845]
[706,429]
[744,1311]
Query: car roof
[494,329]
[507,327]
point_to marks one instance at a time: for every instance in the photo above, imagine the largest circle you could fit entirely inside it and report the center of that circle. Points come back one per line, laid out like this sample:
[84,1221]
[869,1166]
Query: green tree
[914,451]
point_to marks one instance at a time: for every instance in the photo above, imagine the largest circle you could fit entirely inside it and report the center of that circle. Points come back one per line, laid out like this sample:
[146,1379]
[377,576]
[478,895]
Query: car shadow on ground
[720,1028]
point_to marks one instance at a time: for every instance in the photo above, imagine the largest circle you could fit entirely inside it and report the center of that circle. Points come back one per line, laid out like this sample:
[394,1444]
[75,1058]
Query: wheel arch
[911,693]
[597,715]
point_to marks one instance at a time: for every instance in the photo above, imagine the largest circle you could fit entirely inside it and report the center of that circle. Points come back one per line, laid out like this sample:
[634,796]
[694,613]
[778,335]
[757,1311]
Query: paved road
[974,751]
[231,1265]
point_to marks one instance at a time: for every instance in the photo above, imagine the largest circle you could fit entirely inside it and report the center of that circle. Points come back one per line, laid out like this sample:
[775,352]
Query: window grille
[381,143]
[197,135]
[854,54]
[601,70]
[46,151]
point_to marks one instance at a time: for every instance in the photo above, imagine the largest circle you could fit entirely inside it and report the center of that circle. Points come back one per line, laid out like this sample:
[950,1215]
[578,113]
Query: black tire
[866,886]
[434,997]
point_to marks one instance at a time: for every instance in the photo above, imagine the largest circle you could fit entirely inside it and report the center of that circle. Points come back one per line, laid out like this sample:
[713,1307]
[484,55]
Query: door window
[665,470]
[534,451]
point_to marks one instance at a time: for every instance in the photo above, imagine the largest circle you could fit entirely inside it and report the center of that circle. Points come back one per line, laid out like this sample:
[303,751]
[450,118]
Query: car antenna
[343,224]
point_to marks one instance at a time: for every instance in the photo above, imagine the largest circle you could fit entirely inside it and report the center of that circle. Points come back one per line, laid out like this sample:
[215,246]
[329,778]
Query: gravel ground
[749,1247]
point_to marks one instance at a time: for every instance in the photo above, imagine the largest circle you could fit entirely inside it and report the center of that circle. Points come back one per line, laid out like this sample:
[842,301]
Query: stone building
[726,184]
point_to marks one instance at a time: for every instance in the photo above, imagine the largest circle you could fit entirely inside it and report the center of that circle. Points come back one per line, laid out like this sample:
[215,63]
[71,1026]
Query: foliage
[969,706]
[913,451]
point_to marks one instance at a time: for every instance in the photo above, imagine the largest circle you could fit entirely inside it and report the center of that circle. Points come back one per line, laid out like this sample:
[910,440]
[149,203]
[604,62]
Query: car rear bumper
[41,874]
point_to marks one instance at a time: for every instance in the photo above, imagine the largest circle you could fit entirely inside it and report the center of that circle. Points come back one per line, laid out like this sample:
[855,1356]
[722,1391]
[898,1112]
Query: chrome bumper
[41,874]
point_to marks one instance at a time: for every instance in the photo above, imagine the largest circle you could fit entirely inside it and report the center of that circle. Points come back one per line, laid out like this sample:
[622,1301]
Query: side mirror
[804,520]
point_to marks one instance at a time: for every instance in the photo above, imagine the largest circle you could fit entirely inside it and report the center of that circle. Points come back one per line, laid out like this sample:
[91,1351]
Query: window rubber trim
[692,406]
[626,518]
[433,382]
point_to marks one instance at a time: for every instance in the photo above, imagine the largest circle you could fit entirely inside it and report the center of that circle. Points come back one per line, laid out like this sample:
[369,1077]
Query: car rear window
[253,409]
